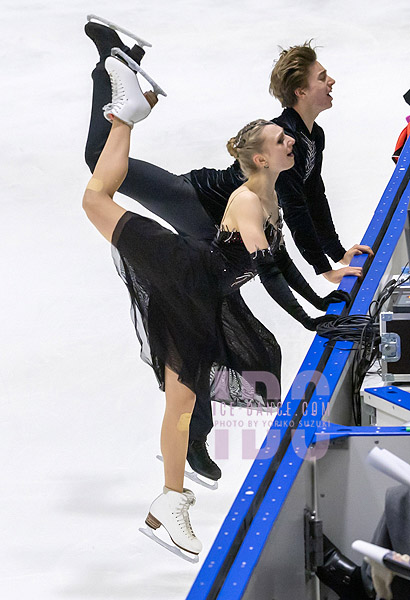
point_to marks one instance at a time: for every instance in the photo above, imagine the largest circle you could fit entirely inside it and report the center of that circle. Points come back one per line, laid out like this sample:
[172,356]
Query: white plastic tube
[376,553]
[388,463]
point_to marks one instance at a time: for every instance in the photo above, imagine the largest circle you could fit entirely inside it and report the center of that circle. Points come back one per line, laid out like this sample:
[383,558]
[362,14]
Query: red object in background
[401,141]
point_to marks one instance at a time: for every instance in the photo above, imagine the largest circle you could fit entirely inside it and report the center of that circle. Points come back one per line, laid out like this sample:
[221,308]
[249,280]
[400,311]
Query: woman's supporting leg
[180,402]
[109,174]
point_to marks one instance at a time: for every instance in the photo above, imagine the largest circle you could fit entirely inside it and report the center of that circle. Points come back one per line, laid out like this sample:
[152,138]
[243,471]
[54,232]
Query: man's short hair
[291,72]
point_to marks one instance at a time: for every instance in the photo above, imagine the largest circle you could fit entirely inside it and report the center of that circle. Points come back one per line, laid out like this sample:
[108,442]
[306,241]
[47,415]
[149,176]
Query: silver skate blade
[117,53]
[139,40]
[195,478]
[174,549]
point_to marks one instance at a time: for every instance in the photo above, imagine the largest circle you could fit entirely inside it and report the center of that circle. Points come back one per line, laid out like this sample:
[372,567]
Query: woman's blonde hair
[247,142]
[291,72]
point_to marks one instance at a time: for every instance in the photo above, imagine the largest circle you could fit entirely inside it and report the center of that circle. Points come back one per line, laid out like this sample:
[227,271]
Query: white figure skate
[118,53]
[112,25]
[170,510]
[195,478]
[128,102]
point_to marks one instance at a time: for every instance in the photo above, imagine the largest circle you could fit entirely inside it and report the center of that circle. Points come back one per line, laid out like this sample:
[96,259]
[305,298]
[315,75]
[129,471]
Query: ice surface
[80,413]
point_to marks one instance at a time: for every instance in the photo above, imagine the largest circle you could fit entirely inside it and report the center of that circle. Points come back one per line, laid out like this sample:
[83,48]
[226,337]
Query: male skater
[303,87]
[194,202]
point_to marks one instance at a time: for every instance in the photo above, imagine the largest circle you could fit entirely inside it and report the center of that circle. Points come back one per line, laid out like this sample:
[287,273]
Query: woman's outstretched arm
[109,174]
[249,217]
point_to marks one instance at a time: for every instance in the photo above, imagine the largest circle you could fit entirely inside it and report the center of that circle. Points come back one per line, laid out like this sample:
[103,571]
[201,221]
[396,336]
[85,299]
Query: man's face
[317,93]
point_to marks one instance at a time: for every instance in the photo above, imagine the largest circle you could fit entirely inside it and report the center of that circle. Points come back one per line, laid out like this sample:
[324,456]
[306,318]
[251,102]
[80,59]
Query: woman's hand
[354,251]
[333,297]
[336,275]
[312,323]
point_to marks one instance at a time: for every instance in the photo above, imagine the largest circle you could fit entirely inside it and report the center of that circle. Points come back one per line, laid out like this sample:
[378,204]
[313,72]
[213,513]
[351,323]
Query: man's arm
[299,220]
[321,216]
[298,217]
[307,214]
[295,280]
[328,237]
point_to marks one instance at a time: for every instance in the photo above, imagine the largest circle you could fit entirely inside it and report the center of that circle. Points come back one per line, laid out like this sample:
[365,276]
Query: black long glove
[276,286]
[297,282]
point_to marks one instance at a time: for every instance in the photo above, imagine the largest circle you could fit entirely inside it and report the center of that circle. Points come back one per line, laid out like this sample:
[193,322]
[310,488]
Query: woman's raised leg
[128,106]
[171,197]
[108,175]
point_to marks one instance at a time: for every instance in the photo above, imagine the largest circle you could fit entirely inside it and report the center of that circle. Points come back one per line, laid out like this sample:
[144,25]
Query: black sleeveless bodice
[239,266]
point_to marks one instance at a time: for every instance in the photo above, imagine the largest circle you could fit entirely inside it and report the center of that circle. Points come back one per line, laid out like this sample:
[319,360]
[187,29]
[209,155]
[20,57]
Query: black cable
[363,330]
[344,329]
[376,305]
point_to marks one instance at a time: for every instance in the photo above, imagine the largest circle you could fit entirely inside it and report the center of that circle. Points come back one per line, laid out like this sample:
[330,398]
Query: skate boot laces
[190,495]
[118,91]
[182,516]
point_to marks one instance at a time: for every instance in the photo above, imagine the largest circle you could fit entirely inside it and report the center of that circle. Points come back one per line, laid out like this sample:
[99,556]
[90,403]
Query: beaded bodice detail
[240,265]
[273,233]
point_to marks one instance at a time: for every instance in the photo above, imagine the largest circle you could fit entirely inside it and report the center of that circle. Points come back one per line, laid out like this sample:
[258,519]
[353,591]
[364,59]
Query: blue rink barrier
[238,545]
[392,394]
[330,431]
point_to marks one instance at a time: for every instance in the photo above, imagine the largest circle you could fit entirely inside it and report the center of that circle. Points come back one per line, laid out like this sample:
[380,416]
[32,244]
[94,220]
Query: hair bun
[233,151]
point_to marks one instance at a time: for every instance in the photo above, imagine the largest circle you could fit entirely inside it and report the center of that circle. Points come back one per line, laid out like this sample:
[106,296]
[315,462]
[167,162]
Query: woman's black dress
[184,317]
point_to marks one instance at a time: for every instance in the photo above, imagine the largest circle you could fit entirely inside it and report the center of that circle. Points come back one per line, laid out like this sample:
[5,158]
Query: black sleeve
[275,284]
[322,217]
[289,187]
[319,204]
[306,210]
[295,279]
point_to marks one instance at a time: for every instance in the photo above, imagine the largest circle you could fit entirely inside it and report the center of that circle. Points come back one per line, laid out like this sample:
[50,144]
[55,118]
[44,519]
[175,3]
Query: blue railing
[240,541]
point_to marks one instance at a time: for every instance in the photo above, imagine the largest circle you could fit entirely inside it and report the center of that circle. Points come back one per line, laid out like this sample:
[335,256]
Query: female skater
[194,202]
[179,286]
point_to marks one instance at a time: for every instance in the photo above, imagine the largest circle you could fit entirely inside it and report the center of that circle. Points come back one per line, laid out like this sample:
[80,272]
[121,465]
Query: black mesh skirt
[185,319]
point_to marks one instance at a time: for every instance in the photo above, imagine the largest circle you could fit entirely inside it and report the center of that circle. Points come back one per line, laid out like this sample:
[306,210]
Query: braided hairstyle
[247,142]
